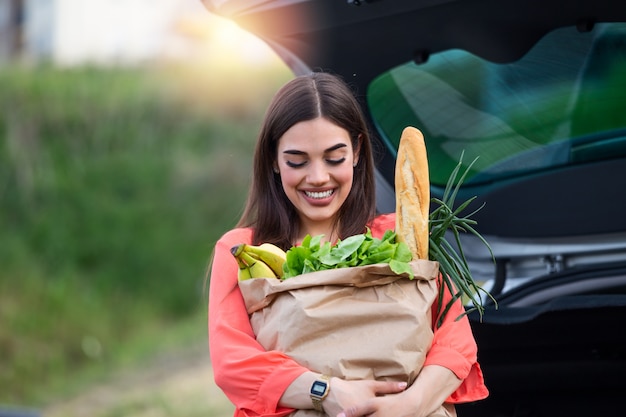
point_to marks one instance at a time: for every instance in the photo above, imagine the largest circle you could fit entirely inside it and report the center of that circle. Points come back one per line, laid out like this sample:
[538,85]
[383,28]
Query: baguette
[412,185]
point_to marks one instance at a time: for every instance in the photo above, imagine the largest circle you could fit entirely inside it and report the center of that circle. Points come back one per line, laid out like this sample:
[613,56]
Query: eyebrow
[332,148]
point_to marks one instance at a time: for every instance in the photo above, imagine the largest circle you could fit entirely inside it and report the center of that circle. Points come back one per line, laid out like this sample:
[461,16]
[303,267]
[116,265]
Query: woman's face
[316,165]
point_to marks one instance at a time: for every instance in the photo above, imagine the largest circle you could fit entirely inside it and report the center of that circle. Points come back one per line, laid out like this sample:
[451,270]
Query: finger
[389,387]
[358,411]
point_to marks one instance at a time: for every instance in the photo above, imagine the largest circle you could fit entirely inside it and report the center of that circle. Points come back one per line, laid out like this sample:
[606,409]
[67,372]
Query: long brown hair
[307,97]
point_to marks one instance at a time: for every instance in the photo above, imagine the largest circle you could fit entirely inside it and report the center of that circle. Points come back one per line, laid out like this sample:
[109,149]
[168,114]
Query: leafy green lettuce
[359,250]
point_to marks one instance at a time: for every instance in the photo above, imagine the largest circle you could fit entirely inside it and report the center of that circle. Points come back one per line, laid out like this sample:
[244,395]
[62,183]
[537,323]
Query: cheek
[289,179]
[345,176]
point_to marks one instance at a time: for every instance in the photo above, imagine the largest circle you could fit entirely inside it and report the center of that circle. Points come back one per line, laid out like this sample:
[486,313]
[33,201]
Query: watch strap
[317,396]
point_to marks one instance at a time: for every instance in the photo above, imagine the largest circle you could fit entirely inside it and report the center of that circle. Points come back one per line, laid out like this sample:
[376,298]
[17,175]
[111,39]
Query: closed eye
[295,164]
[332,162]
[333,156]
[336,161]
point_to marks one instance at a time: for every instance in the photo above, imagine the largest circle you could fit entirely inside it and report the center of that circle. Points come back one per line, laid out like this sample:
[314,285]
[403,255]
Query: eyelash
[336,161]
[332,162]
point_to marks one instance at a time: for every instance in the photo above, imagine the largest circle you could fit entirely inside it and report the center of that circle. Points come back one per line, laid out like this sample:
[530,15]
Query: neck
[327,229]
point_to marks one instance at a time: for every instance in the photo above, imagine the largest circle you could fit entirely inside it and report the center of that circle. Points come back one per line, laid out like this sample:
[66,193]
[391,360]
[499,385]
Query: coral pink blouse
[254,379]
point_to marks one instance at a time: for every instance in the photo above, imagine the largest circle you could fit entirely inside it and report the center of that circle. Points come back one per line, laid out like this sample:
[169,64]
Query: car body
[536,91]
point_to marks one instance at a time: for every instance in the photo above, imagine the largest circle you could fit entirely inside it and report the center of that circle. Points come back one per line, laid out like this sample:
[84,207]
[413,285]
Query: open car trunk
[563,358]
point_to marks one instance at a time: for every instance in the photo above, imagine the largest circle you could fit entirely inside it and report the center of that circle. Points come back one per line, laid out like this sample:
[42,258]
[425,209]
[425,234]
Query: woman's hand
[429,391]
[397,405]
[342,395]
[353,394]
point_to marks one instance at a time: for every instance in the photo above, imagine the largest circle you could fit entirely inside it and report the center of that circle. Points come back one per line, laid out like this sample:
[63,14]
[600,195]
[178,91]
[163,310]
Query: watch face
[318,388]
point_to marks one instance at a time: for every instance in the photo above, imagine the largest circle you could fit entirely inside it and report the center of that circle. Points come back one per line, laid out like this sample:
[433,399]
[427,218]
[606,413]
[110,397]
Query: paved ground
[178,385]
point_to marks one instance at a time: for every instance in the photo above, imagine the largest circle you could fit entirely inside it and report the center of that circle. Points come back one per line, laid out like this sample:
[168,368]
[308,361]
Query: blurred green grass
[114,186]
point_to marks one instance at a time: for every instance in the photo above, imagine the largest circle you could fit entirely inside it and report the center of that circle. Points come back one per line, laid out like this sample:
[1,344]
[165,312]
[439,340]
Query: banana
[269,253]
[244,271]
[259,269]
[249,266]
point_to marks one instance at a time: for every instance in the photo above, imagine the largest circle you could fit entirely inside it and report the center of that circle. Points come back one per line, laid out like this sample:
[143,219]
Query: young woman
[313,174]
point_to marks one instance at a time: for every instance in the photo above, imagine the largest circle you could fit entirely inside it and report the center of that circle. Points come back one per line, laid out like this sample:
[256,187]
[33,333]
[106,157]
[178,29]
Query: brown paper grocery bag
[354,323]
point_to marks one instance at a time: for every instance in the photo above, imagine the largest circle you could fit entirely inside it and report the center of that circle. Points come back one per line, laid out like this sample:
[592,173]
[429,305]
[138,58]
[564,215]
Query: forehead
[317,135]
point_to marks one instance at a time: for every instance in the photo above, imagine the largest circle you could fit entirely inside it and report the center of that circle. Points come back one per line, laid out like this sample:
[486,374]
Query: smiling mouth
[319,194]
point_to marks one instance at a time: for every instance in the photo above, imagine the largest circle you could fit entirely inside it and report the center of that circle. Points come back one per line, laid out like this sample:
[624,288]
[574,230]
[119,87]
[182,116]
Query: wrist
[319,391]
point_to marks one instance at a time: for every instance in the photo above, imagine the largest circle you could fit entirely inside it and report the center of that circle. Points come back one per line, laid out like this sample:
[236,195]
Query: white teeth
[323,194]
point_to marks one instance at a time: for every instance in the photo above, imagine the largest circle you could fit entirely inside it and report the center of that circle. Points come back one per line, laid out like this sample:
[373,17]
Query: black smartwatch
[319,391]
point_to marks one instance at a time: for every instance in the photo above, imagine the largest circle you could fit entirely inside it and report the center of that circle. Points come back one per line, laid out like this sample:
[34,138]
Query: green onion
[453,265]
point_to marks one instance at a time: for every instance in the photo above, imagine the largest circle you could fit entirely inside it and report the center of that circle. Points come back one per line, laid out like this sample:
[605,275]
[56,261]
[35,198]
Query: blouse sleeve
[252,378]
[454,347]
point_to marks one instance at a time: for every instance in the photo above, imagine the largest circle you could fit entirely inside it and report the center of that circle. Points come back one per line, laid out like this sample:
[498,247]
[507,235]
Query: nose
[317,174]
